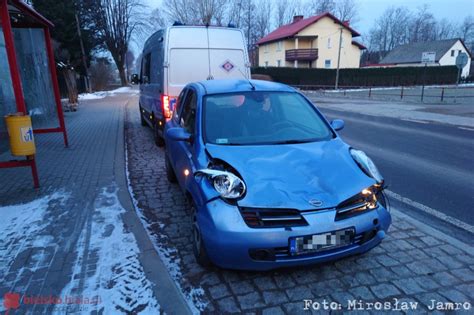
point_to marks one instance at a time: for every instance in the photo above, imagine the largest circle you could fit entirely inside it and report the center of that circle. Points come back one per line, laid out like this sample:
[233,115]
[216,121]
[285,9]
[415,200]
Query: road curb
[167,293]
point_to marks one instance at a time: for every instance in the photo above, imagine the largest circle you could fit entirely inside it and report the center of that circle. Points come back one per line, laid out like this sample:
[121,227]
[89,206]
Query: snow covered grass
[107,264]
[103,94]
[193,296]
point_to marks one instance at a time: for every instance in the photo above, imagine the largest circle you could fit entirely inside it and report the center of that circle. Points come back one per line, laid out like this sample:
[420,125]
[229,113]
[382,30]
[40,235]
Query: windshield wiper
[293,141]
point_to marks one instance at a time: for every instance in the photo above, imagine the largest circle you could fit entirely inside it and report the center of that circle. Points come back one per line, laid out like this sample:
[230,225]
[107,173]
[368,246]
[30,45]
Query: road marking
[466,128]
[416,121]
[431,211]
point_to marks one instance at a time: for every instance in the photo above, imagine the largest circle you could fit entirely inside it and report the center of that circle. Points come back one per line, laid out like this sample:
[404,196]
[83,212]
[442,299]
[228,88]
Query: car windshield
[262,118]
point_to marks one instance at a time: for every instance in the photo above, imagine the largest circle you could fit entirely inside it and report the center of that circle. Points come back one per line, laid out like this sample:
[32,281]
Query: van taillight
[165,103]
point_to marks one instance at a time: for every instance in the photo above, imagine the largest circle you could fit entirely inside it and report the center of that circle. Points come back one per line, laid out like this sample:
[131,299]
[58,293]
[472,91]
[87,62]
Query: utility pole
[338,58]
[88,82]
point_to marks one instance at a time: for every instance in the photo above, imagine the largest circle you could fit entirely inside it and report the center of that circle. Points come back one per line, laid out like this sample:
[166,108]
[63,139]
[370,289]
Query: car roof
[240,85]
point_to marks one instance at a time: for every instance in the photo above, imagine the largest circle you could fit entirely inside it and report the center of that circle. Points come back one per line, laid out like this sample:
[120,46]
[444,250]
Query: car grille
[273,254]
[264,218]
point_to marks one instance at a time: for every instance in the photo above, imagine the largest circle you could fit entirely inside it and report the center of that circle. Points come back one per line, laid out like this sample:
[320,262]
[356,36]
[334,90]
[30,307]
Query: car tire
[159,141]
[170,175]
[142,119]
[199,249]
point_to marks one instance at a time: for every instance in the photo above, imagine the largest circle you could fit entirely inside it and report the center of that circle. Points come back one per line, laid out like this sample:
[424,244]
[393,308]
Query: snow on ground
[22,228]
[107,266]
[193,296]
[102,94]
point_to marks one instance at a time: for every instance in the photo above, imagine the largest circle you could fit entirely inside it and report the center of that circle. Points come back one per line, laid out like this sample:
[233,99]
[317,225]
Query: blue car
[270,182]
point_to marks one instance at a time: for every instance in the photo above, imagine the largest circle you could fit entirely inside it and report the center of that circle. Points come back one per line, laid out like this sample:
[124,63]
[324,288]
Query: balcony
[301,54]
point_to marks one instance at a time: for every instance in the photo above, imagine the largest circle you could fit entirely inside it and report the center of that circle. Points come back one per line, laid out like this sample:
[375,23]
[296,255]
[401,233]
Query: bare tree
[196,11]
[116,21]
[445,29]
[184,11]
[466,31]
[286,10]
[347,10]
[211,11]
[321,6]
[235,12]
[423,25]
[156,20]
[263,15]
[101,73]
[390,29]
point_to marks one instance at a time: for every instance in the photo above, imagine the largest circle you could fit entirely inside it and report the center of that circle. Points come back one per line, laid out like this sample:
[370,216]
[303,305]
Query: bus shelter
[28,82]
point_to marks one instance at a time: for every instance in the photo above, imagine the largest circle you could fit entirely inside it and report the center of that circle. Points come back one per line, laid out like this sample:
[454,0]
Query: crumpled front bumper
[231,244]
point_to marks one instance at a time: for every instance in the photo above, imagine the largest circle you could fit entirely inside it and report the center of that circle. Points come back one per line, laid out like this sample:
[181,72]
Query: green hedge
[395,76]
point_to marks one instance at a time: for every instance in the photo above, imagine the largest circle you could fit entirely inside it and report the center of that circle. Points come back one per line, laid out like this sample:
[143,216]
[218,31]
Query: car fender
[201,190]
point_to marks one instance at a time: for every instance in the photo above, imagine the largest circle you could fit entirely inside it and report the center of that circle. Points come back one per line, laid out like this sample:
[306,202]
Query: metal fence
[425,94]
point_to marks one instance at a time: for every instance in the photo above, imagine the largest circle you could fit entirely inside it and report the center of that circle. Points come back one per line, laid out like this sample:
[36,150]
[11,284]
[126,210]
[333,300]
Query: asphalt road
[429,163]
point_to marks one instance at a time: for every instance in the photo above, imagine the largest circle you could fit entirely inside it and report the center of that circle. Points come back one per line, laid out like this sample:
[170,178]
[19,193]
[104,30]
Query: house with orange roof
[311,42]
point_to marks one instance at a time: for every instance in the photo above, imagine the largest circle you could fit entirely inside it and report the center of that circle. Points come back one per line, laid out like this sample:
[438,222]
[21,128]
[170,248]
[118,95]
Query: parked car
[270,182]
[178,55]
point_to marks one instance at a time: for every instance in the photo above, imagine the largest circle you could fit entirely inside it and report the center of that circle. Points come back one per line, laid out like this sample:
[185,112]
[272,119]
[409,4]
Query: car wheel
[198,243]
[142,119]
[159,141]
[170,175]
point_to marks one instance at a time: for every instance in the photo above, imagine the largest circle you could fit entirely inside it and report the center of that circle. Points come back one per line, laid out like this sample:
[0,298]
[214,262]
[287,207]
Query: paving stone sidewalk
[411,265]
[58,250]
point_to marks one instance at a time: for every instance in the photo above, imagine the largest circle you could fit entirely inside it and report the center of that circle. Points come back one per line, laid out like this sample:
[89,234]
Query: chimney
[297,18]
[346,23]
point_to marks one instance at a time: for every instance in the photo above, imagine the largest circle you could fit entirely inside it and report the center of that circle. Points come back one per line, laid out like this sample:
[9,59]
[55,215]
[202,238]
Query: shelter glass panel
[35,75]
[7,97]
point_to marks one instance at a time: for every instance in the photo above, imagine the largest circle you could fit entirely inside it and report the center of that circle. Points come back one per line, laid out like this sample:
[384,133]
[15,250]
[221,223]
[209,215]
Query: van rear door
[188,59]
[227,52]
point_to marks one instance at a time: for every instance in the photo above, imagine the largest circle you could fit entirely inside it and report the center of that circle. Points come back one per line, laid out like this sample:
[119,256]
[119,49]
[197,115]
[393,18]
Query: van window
[155,69]
[188,115]
[145,73]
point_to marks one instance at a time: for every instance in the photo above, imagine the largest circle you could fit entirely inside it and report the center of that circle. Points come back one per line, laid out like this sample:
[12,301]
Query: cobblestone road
[411,265]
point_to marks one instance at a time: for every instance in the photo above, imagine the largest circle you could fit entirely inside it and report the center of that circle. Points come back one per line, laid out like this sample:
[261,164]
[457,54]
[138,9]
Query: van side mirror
[134,79]
[337,124]
[178,134]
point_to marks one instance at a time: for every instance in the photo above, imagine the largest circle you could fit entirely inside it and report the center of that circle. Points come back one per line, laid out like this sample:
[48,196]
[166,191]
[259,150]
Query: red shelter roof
[26,9]
[292,29]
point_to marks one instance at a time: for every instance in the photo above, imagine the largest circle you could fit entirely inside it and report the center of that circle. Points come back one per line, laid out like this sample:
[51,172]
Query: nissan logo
[316,202]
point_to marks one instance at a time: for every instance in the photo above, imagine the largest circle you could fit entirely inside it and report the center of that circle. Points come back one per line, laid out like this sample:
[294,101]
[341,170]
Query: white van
[178,55]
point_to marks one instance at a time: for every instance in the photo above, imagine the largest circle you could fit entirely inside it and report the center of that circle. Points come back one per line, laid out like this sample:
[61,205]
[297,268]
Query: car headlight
[228,185]
[367,165]
[364,201]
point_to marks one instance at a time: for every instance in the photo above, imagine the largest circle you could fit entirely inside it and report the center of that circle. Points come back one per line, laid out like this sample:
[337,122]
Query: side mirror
[178,134]
[135,79]
[337,124]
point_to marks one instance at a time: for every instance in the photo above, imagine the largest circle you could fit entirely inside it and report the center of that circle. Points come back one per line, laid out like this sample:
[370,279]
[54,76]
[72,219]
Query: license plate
[320,242]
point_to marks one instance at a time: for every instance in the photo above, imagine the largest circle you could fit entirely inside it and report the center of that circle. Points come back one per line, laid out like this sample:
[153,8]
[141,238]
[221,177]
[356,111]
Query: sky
[369,10]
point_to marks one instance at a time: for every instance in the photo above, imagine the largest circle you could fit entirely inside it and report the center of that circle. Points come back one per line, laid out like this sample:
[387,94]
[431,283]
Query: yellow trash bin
[20,131]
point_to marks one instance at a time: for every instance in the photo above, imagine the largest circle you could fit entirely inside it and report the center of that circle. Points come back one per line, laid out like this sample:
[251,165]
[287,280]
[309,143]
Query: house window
[279,46]
[459,51]
[327,63]
[266,64]
[452,52]
[329,42]
[265,49]
[278,63]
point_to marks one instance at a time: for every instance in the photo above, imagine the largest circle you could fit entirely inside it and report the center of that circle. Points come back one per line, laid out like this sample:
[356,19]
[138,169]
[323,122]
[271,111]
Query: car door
[184,163]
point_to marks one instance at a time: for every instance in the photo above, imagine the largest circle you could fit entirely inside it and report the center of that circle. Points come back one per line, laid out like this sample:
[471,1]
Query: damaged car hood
[293,175]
